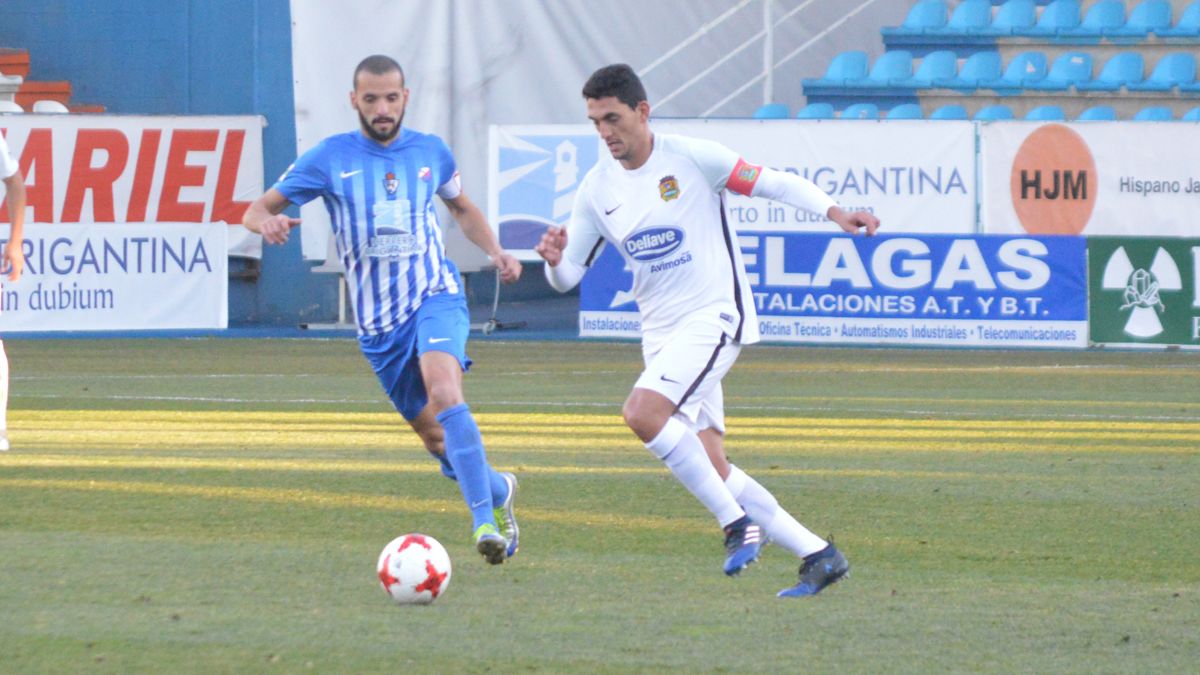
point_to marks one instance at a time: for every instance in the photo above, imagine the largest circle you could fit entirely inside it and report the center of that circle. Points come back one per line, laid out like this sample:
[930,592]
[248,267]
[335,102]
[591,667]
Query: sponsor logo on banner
[129,276]
[118,169]
[1054,181]
[933,289]
[1145,291]
[534,178]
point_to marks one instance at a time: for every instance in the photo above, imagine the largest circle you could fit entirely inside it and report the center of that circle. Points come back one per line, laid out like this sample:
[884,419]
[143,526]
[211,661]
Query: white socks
[681,450]
[763,509]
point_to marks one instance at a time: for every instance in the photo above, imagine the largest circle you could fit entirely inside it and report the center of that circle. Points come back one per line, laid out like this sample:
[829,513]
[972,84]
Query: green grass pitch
[217,505]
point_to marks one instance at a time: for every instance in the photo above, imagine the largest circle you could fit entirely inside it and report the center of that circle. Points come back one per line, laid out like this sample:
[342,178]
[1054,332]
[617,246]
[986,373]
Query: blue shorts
[441,324]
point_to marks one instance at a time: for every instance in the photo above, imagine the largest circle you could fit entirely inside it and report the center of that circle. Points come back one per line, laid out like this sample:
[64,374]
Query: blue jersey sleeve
[307,178]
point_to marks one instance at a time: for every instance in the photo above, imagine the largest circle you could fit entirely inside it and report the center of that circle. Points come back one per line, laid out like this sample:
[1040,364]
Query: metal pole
[768,55]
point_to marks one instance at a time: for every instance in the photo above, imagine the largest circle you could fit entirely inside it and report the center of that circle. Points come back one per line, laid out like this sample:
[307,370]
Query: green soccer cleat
[506,519]
[490,544]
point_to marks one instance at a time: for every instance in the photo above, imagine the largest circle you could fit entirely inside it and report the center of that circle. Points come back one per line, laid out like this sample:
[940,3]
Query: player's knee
[444,395]
[642,421]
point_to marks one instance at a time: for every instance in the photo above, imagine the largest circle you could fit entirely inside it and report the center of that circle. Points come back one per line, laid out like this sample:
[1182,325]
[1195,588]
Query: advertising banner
[991,291]
[140,169]
[1083,178]
[1144,291]
[132,276]
[916,176]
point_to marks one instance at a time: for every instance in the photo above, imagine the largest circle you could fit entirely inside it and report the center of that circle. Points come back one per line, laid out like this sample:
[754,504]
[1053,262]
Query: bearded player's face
[380,101]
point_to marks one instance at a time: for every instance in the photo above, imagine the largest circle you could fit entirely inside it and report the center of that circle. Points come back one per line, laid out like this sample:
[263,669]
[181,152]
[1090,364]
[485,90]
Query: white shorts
[688,369]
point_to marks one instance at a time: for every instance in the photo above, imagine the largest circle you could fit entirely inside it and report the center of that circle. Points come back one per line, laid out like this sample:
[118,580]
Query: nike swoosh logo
[664,378]
[347,174]
[479,503]
[608,212]
[434,341]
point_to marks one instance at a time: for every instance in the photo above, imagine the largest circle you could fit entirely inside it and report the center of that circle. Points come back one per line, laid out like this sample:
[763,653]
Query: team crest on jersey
[390,183]
[668,188]
[748,173]
[425,173]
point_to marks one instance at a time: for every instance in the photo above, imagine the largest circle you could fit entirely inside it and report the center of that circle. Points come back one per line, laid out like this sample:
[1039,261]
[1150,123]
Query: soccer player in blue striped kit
[378,185]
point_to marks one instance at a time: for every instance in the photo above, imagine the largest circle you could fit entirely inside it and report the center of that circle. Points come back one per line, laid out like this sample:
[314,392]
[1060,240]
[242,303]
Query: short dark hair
[377,64]
[617,80]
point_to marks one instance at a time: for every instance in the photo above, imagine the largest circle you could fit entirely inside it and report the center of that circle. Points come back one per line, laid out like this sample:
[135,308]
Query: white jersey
[667,218]
[8,166]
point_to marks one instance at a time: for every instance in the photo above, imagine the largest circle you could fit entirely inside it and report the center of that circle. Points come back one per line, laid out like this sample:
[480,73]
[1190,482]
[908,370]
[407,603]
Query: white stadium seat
[10,107]
[49,107]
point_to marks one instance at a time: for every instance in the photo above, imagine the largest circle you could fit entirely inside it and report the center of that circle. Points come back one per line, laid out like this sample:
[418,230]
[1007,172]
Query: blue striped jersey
[380,204]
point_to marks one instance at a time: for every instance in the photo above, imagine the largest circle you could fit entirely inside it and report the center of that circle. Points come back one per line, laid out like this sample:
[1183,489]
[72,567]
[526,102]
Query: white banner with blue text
[128,276]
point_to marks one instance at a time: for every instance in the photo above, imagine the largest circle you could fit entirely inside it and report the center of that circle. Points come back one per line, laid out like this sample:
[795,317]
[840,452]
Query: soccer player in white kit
[662,204]
[12,262]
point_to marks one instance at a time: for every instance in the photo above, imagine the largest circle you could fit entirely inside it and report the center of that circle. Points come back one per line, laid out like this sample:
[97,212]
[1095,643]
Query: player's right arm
[568,257]
[265,216]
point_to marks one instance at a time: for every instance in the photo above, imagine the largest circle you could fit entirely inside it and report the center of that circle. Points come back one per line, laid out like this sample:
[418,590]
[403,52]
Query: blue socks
[499,485]
[464,453]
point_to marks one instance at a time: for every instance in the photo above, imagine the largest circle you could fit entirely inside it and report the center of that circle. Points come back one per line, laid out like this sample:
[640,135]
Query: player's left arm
[474,224]
[780,186]
[13,262]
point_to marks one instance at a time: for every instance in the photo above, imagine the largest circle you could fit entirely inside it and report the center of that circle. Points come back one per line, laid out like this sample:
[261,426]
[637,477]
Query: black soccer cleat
[819,570]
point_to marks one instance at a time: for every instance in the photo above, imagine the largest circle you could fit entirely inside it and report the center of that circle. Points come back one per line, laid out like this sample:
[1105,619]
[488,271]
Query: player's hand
[854,221]
[275,230]
[554,240]
[13,262]
[510,267]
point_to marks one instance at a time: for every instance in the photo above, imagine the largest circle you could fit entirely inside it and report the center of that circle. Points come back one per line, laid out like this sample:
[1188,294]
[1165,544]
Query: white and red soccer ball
[414,569]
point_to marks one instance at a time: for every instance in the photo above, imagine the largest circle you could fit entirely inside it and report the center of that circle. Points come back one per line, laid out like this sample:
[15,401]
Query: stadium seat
[860,111]
[1056,17]
[1013,17]
[1149,16]
[1154,113]
[1098,113]
[951,111]
[50,107]
[1171,70]
[939,65]
[924,16]
[1122,69]
[994,112]
[1188,24]
[1192,115]
[816,111]
[1068,69]
[905,111]
[845,67]
[1104,16]
[10,107]
[978,67]
[772,111]
[890,67]
[1046,113]
[971,16]
[1025,67]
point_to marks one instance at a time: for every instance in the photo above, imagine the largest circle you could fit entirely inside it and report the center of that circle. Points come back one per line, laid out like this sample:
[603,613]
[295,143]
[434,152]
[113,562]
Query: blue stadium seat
[994,112]
[971,16]
[925,15]
[980,66]
[1103,17]
[905,111]
[816,111]
[860,111]
[1014,16]
[951,111]
[1192,115]
[1188,24]
[935,66]
[1149,16]
[1068,69]
[772,111]
[1171,70]
[1154,113]
[1122,69]
[845,67]
[1025,67]
[1046,113]
[1056,17]
[1098,113]
[889,67]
